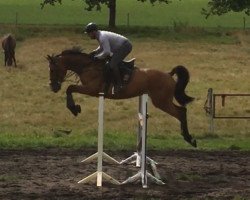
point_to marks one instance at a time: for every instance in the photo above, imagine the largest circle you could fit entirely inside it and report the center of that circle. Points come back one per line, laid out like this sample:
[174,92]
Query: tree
[96,4]
[220,7]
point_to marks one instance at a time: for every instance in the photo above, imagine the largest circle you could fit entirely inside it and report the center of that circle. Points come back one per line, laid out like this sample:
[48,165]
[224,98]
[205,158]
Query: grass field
[186,13]
[163,36]
[32,116]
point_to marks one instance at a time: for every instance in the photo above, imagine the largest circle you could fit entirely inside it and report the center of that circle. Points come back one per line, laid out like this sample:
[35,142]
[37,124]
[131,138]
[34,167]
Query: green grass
[115,141]
[179,33]
[188,13]
[31,114]
[8,178]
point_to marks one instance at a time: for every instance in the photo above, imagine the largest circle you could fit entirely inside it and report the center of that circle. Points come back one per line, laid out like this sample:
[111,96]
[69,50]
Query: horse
[9,45]
[160,86]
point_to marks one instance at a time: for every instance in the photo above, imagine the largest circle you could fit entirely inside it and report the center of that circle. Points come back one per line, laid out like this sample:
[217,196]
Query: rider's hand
[94,58]
[92,54]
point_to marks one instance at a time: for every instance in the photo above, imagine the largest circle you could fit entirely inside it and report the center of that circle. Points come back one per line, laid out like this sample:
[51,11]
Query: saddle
[126,69]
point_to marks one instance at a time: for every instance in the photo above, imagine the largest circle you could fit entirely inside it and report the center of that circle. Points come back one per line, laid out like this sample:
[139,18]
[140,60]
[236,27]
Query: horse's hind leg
[178,112]
[14,59]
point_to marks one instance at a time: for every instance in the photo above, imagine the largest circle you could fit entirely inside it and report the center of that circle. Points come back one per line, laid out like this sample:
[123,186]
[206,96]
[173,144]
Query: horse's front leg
[5,58]
[75,109]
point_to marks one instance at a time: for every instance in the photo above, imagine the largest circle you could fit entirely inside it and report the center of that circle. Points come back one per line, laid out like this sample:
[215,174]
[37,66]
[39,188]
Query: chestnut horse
[9,45]
[160,86]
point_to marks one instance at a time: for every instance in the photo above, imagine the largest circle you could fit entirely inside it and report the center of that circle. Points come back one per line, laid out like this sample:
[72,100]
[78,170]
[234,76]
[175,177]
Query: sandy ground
[53,174]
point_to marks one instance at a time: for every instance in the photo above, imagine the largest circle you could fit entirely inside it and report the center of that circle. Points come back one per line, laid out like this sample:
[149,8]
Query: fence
[210,107]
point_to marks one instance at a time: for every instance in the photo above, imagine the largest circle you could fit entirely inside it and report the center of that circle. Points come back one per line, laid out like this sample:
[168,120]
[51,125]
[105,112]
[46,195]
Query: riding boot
[118,87]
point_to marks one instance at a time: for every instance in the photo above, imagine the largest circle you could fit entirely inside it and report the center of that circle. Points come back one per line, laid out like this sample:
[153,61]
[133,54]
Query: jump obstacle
[99,175]
[210,107]
[140,157]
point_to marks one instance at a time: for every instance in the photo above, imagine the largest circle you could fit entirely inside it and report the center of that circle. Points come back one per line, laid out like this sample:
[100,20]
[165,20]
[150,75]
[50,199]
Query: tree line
[214,7]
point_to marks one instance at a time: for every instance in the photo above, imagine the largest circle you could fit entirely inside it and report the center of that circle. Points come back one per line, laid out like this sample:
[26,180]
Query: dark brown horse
[9,45]
[160,86]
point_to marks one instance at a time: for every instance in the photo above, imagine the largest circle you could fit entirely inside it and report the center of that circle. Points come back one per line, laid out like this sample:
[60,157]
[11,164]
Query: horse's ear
[49,58]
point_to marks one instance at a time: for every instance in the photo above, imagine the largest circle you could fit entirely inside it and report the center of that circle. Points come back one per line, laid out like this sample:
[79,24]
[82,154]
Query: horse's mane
[73,51]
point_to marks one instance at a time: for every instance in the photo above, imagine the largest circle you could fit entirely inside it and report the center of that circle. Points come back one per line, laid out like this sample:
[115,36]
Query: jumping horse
[161,87]
[9,45]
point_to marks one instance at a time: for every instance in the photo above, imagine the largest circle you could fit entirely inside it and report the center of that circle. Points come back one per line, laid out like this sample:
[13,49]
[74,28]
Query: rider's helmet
[90,27]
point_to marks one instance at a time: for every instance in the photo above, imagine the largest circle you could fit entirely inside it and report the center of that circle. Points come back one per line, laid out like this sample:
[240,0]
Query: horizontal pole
[231,94]
[227,117]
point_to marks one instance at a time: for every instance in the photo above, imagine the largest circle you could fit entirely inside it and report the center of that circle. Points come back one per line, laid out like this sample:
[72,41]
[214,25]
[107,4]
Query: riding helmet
[91,27]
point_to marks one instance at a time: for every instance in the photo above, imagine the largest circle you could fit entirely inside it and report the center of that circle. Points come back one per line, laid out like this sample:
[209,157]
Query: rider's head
[91,29]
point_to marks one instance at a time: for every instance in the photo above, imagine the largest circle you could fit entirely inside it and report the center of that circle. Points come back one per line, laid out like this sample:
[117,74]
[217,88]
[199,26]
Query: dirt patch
[53,174]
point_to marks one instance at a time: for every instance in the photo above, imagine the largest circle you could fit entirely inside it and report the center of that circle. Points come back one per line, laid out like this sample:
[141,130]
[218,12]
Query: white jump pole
[136,157]
[140,155]
[99,175]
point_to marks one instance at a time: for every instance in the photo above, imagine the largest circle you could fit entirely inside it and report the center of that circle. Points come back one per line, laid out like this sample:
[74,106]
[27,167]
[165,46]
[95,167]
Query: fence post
[244,23]
[211,106]
[128,22]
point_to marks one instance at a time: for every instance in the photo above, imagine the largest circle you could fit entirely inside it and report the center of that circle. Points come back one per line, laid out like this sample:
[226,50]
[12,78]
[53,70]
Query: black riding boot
[118,87]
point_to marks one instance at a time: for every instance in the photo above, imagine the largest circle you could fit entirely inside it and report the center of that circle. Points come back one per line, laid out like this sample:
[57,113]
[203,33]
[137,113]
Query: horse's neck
[80,62]
[77,63]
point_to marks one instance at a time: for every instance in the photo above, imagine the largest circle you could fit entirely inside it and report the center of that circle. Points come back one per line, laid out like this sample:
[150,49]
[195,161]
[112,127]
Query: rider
[111,46]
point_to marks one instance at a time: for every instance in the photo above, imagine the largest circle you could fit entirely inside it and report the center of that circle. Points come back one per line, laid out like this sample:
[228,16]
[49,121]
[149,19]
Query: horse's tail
[182,81]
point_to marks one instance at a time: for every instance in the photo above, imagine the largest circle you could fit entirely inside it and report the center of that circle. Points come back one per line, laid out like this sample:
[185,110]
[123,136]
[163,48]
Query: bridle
[56,80]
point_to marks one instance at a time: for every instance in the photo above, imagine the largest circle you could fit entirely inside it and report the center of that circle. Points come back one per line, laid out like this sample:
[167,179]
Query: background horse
[160,86]
[9,45]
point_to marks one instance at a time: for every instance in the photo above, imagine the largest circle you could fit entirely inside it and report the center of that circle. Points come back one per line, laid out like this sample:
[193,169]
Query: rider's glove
[94,58]
[92,55]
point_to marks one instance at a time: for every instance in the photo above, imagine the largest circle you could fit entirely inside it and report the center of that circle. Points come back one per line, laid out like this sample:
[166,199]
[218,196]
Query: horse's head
[57,72]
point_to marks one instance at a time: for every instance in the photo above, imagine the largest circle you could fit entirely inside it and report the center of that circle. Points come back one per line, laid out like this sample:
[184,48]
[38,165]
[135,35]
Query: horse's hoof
[74,110]
[193,143]
[78,108]
[190,140]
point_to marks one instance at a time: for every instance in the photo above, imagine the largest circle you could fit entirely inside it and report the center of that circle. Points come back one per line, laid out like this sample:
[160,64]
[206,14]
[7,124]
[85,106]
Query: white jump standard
[99,175]
[140,155]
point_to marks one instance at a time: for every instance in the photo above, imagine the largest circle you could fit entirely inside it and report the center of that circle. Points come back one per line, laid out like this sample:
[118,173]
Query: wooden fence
[210,107]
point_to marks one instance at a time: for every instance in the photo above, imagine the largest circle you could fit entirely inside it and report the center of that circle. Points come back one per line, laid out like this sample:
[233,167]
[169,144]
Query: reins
[80,69]
[70,74]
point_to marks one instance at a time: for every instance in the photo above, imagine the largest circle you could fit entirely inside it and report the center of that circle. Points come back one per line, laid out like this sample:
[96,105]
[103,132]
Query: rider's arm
[97,51]
[105,47]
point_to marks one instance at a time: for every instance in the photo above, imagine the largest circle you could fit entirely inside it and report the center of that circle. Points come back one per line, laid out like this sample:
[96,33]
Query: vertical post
[244,23]
[143,109]
[212,113]
[139,141]
[211,107]
[100,139]
[16,19]
[128,23]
